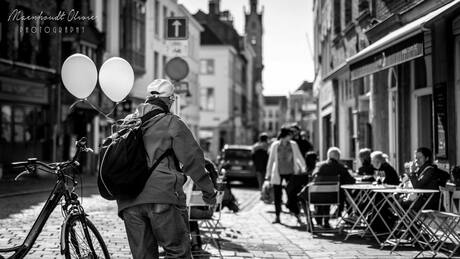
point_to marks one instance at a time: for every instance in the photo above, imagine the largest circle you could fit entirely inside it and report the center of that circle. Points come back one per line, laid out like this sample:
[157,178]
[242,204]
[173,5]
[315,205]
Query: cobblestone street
[247,234]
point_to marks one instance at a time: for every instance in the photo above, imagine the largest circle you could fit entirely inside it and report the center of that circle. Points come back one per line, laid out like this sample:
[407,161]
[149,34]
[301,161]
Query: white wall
[221,81]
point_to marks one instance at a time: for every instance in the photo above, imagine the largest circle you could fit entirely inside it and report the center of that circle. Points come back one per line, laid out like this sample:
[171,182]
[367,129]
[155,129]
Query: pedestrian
[260,158]
[158,215]
[304,144]
[366,170]
[331,170]
[284,161]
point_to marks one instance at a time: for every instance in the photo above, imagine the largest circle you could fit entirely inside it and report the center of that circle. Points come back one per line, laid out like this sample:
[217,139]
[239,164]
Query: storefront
[26,125]
[409,97]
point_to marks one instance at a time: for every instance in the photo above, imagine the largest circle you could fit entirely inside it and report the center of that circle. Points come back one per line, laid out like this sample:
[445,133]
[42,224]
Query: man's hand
[210,198]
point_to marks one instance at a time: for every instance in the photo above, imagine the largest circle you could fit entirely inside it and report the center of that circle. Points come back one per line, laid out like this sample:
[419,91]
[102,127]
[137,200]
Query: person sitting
[331,170]
[428,176]
[380,163]
[366,170]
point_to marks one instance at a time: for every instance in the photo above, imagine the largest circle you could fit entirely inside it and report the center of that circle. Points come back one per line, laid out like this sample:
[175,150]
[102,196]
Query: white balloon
[79,75]
[116,78]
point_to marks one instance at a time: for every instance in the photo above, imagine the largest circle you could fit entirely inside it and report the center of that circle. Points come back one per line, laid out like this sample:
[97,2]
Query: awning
[407,52]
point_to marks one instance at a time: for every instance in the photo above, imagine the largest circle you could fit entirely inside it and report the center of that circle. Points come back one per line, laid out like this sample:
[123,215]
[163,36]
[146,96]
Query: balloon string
[95,108]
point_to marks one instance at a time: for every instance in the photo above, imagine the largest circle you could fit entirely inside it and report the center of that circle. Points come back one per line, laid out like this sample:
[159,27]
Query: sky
[288,26]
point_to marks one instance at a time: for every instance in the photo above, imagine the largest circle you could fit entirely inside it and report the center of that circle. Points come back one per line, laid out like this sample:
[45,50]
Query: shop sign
[383,61]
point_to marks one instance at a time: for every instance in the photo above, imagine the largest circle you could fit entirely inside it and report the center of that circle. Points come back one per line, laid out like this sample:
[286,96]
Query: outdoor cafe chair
[443,224]
[322,194]
[208,225]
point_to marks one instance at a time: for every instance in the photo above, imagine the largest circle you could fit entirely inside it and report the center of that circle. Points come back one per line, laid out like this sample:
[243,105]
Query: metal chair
[443,225]
[208,225]
[322,194]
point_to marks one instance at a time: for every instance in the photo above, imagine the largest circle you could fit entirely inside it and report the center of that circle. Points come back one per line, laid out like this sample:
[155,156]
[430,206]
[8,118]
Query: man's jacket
[163,132]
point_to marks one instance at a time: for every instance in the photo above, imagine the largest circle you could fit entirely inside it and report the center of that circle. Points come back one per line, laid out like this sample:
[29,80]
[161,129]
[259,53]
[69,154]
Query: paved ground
[247,234]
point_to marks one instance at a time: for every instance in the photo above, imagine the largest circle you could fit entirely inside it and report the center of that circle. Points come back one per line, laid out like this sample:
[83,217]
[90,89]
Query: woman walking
[284,161]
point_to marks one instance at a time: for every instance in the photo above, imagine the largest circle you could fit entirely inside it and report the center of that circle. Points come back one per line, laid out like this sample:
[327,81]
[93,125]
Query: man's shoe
[326,225]
[277,221]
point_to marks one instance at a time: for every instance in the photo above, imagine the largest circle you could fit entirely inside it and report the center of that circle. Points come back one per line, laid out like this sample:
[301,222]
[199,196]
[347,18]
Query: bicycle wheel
[81,245]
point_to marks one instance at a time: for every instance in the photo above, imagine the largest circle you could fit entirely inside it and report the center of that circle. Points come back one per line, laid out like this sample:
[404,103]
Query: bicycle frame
[60,190]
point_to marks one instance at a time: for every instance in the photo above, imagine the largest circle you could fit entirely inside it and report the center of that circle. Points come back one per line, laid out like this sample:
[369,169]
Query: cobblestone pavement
[247,234]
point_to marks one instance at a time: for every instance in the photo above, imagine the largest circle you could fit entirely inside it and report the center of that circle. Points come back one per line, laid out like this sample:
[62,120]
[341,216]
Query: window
[3,28]
[165,14]
[337,17]
[420,72]
[155,64]
[270,126]
[132,31]
[164,66]
[270,114]
[21,124]
[207,102]
[22,39]
[207,66]
[157,18]
[348,12]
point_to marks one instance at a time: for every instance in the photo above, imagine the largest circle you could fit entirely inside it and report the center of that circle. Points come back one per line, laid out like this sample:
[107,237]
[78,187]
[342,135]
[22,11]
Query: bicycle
[79,237]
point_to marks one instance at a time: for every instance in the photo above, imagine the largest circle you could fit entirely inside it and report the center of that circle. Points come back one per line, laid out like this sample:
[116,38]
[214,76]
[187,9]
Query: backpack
[442,176]
[123,166]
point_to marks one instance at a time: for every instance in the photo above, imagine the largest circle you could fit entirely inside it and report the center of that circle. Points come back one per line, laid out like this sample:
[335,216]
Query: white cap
[160,88]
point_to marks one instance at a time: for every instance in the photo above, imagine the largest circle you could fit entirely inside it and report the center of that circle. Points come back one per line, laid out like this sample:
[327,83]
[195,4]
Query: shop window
[132,31]
[21,124]
[6,123]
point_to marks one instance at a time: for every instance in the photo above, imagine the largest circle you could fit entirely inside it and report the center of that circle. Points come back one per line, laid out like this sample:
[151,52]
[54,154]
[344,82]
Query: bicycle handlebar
[81,147]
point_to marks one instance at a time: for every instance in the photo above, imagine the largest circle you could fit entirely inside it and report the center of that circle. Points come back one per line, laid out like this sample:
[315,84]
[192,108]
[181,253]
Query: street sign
[176,28]
[177,48]
[176,68]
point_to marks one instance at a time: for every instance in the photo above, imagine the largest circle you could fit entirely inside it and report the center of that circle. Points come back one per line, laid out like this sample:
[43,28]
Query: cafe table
[362,201]
[408,215]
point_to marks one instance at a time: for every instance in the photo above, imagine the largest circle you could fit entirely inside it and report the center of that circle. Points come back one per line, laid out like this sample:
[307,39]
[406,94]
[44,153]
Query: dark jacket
[331,170]
[366,169]
[260,156]
[391,177]
[426,177]
[304,146]
[163,132]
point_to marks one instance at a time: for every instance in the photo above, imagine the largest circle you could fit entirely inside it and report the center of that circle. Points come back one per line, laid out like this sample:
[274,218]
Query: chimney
[214,7]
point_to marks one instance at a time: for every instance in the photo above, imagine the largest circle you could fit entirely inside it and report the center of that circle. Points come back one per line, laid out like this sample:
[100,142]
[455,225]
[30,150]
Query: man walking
[158,215]
[260,158]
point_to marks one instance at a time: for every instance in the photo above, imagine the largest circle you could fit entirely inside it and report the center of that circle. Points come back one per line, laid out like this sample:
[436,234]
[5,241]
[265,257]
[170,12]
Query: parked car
[237,161]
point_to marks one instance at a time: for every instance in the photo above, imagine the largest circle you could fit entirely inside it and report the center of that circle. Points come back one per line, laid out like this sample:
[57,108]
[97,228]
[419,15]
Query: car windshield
[237,153]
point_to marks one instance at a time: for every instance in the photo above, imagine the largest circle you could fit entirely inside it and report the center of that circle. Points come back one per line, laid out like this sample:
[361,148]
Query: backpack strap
[163,156]
[151,114]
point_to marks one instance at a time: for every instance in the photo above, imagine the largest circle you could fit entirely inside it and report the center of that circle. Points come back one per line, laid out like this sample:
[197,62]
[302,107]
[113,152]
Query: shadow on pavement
[16,196]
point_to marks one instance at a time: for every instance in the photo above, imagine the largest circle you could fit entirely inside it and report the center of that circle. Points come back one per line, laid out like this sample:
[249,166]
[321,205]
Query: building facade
[302,108]
[385,80]
[228,76]
[275,113]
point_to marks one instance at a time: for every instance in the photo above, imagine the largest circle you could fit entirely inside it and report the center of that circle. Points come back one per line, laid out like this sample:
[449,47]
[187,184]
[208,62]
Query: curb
[9,195]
